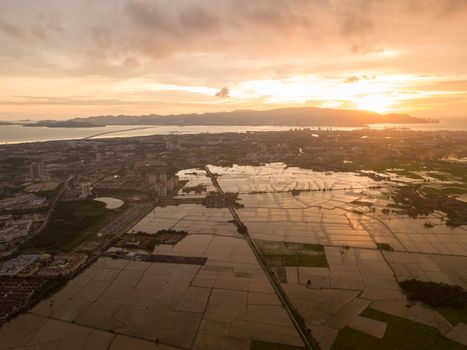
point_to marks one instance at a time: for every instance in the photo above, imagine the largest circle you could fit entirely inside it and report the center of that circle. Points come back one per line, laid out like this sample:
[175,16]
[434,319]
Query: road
[49,213]
[122,224]
[299,325]
[116,132]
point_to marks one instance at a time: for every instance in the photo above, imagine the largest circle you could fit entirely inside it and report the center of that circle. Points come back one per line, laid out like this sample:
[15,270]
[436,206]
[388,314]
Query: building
[161,190]
[172,145]
[86,190]
[162,182]
[14,266]
[100,157]
[63,264]
[15,229]
[38,171]
[163,178]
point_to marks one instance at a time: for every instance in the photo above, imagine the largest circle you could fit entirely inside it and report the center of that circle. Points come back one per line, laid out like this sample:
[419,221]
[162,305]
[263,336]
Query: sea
[12,134]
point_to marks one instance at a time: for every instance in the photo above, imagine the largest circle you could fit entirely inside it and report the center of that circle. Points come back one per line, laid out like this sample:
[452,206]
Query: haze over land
[233,174]
[305,116]
[63,59]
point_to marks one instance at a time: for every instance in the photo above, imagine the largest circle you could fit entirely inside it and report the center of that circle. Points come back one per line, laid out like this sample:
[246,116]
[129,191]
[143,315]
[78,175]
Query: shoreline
[45,134]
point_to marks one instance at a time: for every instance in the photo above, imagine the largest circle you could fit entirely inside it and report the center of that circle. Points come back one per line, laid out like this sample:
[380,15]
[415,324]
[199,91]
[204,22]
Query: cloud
[38,28]
[223,93]
[199,43]
[354,78]
[12,29]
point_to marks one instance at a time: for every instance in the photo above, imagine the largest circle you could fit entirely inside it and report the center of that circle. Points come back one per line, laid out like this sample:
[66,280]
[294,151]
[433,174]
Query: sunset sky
[65,58]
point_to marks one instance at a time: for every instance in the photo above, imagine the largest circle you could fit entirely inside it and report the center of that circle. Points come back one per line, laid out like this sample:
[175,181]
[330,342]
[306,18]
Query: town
[66,205]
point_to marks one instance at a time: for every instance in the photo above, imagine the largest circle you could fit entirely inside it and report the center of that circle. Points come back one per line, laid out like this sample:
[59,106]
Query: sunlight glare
[374,103]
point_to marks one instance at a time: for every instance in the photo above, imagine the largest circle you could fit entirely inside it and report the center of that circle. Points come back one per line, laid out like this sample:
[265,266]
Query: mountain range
[302,116]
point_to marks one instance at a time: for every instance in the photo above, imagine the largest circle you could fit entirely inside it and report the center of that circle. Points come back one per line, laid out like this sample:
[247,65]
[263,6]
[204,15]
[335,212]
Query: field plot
[429,267]
[352,292]
[224,304]
[192,218]
[301,219]
[415,237]
[276,177]
[36,332]
[198,185]
[331,240]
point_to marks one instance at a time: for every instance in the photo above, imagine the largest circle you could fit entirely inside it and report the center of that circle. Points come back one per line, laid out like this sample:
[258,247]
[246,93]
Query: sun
[374,103]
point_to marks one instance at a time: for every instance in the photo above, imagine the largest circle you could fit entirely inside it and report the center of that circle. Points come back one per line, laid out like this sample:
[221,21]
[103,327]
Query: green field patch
[450,301]
[452,314]
[264,345]
[279,272]
[292,254]
[384,246]
[444,190]
[435,294]
[401,334]
[318,260]
[71,223]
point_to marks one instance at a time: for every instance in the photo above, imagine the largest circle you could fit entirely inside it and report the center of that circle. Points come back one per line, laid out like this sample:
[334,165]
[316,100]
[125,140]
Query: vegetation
[292,254]
[241,227]
[401,334]
[444,190]
[221,200]
[414,201]
[279,272]
[126,195]
[170,236]
[384,246]
[147,241]
[435,294]
[170,231]
[196,189]
[452,314]
[318,260]
[71,223]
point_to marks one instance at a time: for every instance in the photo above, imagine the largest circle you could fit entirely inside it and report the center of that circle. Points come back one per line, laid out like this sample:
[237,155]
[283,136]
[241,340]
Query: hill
[303,116]
[63,124]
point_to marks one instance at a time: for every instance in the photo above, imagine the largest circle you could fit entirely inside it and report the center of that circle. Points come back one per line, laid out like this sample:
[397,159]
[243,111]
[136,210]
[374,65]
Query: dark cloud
[156,30]
[39,28]
[12,29]
[223,93]
[199,43]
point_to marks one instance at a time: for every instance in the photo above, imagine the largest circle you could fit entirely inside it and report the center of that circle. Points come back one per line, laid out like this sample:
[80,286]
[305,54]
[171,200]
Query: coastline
[16,134]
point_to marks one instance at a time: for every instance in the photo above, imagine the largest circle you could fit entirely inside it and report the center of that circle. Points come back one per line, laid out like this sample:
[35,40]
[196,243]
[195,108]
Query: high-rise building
[163,178]
[85,190]
[99,157]
[38,171]
[152,179]
[161,190]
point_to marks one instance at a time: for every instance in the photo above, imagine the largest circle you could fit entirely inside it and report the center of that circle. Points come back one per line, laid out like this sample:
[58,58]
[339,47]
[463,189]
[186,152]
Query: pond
[110,203]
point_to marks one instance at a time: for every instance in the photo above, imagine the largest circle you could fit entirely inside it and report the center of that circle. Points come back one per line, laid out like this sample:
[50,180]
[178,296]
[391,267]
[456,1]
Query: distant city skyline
[64,59]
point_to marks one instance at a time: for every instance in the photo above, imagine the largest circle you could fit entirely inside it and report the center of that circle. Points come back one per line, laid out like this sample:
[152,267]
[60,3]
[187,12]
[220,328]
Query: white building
[38,171]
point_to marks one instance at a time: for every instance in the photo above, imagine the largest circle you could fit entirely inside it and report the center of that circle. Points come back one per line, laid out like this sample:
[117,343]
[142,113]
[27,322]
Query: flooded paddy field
[226,303]
[198,185]
[192,218]
[368,247]
[335,241]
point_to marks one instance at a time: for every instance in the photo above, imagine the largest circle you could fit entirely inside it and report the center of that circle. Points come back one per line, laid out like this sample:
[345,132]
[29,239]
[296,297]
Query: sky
[61,59]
